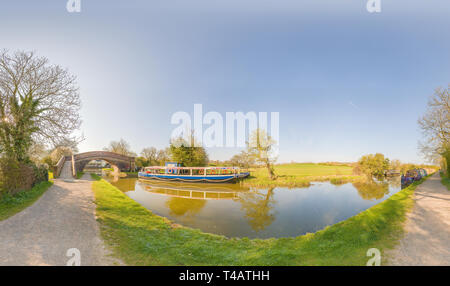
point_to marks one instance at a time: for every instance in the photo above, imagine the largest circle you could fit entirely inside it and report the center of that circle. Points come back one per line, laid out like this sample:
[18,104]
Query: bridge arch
[117,161]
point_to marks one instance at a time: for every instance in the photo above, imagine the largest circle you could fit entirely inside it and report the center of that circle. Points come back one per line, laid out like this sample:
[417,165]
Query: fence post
[74,171]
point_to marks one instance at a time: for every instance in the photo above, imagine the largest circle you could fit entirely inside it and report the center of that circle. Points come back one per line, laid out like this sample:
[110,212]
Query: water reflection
[125,185]
[192,191]
[236,211]
[259,208]
[372,190]
[181,206]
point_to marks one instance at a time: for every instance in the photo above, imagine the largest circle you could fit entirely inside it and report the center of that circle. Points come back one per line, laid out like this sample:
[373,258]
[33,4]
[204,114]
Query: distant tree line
[376,165]
[259,152]
[178,151]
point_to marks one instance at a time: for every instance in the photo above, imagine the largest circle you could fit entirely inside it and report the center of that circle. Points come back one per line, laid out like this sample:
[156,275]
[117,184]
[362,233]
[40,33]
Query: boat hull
[194,179]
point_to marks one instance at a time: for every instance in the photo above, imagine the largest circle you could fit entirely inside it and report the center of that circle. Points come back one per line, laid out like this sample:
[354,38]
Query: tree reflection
[369,189]
[182,206]
[258,208]
[395,181]
[125,185]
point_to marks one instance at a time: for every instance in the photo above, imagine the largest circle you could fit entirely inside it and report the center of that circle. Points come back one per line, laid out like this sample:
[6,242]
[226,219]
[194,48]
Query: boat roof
[166,167]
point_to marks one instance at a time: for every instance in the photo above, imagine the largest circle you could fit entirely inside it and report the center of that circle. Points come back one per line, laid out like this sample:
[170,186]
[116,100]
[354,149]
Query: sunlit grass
[139,237]
[300,175]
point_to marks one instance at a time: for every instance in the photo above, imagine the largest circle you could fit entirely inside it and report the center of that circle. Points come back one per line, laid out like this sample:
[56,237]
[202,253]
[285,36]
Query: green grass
[10,205]
[139,237]
[79,175]
[445,180]
[300,175]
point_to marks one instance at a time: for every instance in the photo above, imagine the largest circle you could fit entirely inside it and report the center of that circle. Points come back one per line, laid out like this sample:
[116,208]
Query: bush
[372,165]
[17,176]
[40,174]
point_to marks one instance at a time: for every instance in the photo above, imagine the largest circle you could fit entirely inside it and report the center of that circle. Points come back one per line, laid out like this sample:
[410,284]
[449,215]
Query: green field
[139,237]
[300,175]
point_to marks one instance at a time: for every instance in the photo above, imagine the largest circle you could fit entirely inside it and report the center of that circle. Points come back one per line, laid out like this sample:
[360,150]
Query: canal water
[235,211]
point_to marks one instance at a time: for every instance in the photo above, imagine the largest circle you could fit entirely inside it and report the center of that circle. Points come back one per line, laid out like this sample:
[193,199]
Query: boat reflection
[194,191]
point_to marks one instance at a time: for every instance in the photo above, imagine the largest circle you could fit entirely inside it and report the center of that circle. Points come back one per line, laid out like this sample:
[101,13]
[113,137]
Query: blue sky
[345,82]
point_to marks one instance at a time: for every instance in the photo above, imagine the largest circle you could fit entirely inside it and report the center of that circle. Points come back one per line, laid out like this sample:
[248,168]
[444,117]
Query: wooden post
[74,171]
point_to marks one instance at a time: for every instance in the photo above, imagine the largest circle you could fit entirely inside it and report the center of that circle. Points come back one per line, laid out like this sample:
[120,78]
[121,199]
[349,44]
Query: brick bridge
[77,162]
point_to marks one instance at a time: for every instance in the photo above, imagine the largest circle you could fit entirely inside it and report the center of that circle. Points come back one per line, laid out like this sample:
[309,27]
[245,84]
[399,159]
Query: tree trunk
[272,174]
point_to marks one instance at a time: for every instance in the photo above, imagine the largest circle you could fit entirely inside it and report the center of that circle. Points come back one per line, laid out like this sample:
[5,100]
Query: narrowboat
[412,176]
[175,172]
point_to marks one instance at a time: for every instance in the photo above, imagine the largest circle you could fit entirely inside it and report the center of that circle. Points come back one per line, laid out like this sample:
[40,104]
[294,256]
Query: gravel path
[427,237]
[63,218]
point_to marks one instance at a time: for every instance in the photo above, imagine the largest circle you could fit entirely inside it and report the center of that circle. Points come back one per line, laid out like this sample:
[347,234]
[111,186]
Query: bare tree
[435,126]
[243,159]
[59,151]
[261,147]
[70,143]
[25,77]
[120,147]
[163,156]
[395,164]
[150,154]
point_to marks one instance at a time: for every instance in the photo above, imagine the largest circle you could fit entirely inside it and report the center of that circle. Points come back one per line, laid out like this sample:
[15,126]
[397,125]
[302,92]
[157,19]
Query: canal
[236,211]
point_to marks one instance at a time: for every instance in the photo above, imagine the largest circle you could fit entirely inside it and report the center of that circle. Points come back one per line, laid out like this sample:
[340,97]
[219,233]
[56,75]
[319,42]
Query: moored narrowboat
[175,172]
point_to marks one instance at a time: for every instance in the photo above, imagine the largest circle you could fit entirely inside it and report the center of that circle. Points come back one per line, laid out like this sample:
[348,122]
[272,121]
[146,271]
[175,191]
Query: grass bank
[301,175]
[139,237]
[445,180]
[10,205]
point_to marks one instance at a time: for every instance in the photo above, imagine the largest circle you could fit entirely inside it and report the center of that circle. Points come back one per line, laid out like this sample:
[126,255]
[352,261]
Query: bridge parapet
[58,167]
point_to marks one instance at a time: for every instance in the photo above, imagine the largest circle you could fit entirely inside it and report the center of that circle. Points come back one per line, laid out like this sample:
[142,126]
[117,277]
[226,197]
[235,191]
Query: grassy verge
[139,237]
[300,175]
[445,180]
[10,205]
